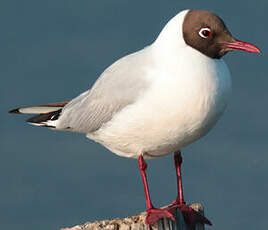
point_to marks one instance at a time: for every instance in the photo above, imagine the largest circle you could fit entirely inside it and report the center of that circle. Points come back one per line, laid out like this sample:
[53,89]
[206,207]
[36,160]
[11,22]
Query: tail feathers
[48,114]
[45,120]
[40,109]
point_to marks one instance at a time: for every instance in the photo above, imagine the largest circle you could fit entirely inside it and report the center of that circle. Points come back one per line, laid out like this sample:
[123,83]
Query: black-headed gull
[157,100]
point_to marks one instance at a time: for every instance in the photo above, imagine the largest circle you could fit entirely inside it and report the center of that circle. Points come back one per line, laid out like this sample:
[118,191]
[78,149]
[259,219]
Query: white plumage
[181,105]
[183,95]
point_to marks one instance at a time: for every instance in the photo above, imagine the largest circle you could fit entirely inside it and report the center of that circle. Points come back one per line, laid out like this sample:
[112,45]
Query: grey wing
[118,86]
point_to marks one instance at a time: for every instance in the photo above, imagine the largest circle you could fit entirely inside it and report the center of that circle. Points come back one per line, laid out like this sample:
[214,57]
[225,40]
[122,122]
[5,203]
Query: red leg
[191,217]
[178,161]
[153,214]
[143,167]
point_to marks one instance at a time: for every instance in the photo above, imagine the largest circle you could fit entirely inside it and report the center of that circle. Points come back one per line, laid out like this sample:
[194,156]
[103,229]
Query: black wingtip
[14,111]
[42,118]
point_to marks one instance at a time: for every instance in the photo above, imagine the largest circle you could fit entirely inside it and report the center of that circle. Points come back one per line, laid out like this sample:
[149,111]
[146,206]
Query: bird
[155,101]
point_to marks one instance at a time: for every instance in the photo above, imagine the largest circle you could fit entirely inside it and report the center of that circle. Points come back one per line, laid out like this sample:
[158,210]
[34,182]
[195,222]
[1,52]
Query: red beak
[240,45]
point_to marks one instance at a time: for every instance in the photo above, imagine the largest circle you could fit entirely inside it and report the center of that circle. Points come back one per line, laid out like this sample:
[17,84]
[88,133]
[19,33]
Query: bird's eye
[205,33]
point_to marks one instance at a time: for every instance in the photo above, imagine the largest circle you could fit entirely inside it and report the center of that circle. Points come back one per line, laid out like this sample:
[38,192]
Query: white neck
[171,37]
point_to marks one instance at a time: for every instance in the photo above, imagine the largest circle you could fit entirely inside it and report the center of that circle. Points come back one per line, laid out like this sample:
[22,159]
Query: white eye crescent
[205,33]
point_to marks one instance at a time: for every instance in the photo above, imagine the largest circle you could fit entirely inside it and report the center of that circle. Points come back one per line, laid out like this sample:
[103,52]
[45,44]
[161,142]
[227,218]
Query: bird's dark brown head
[207,33]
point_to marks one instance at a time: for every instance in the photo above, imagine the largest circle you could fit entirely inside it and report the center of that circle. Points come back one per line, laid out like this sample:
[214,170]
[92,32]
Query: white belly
[179,108]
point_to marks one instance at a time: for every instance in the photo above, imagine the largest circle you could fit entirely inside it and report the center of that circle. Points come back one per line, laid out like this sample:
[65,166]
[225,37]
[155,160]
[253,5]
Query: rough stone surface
[137,222]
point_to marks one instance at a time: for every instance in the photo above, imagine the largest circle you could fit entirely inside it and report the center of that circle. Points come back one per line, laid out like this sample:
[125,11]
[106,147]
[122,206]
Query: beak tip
[255,49]
[258,51]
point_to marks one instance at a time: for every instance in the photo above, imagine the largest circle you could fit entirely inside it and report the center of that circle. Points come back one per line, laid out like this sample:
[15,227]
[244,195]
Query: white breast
[185,100]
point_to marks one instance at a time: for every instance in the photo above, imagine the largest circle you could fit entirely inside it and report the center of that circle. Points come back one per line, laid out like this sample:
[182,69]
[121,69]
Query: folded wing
[119,85]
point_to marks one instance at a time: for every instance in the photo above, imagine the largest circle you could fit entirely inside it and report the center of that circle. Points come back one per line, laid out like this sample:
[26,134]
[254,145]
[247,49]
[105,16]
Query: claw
[154,214]
[191,217]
